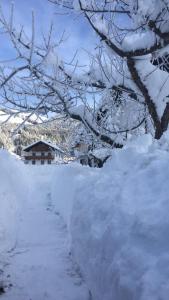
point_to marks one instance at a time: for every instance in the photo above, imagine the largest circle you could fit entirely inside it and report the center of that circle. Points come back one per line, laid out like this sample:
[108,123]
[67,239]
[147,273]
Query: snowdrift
[119,222]
[117,217]
[13,190]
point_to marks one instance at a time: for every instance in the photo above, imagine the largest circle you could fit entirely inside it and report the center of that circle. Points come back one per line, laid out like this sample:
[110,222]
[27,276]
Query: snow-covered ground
[113,220]
[36,260]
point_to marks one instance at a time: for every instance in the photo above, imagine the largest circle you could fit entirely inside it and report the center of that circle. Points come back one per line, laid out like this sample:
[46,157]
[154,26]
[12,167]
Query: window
[42,153]
[33,162]
[42,162]
[49,162]
[34,154]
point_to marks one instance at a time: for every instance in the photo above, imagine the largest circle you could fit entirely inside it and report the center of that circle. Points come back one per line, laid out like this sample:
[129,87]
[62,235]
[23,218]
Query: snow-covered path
[40,266]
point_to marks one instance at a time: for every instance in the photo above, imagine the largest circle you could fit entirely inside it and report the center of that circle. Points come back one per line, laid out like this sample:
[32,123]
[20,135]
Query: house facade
[41,153]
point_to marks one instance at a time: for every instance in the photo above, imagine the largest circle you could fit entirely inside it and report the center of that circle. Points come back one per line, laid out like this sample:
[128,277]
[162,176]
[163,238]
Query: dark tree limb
[165,118]
[149,102]
[159,125]
[122,53]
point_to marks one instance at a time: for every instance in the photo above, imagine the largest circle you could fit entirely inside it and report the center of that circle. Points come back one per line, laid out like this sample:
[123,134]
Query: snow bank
[117,216]
[120,224]
[13,190]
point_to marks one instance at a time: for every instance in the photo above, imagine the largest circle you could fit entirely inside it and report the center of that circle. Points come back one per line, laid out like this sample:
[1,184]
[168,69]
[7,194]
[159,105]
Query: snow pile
[117,217]
[120,224]
[13,191]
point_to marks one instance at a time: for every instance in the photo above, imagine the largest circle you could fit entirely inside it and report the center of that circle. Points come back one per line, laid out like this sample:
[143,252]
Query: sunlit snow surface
[117,227]
[34,251]
[119,221]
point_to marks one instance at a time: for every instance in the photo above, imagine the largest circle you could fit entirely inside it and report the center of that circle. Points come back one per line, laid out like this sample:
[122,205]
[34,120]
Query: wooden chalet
[41,152]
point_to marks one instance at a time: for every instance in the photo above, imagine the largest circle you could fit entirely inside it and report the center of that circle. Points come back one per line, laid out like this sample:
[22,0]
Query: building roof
[27,148]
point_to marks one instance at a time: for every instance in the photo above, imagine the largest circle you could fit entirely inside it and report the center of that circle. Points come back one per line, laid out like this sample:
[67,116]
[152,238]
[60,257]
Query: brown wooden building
[41,152]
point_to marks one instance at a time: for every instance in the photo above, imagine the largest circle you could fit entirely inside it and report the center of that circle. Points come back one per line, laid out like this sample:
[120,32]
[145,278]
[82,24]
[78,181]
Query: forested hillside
[57,132]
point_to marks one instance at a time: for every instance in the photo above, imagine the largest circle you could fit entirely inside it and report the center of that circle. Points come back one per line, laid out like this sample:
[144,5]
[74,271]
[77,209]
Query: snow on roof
[44,142]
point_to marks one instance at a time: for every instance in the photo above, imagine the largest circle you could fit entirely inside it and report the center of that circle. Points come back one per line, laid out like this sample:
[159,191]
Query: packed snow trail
[40,266]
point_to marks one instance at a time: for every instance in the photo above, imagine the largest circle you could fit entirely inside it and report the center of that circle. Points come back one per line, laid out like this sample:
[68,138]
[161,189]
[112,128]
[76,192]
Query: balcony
[38,155]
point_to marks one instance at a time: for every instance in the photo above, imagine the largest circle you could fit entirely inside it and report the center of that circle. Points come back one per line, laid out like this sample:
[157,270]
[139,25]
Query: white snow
[122,211]
[138,41]
[157,82]
[34,249]
[119,222]
[115,220]
[45,142]
[10,195]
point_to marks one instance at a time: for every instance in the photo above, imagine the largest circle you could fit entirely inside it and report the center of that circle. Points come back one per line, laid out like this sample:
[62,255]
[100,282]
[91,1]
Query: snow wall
[118,218]
[13,190]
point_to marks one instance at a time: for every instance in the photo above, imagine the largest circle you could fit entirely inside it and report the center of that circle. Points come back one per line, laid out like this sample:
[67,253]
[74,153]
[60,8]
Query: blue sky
[79,33]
